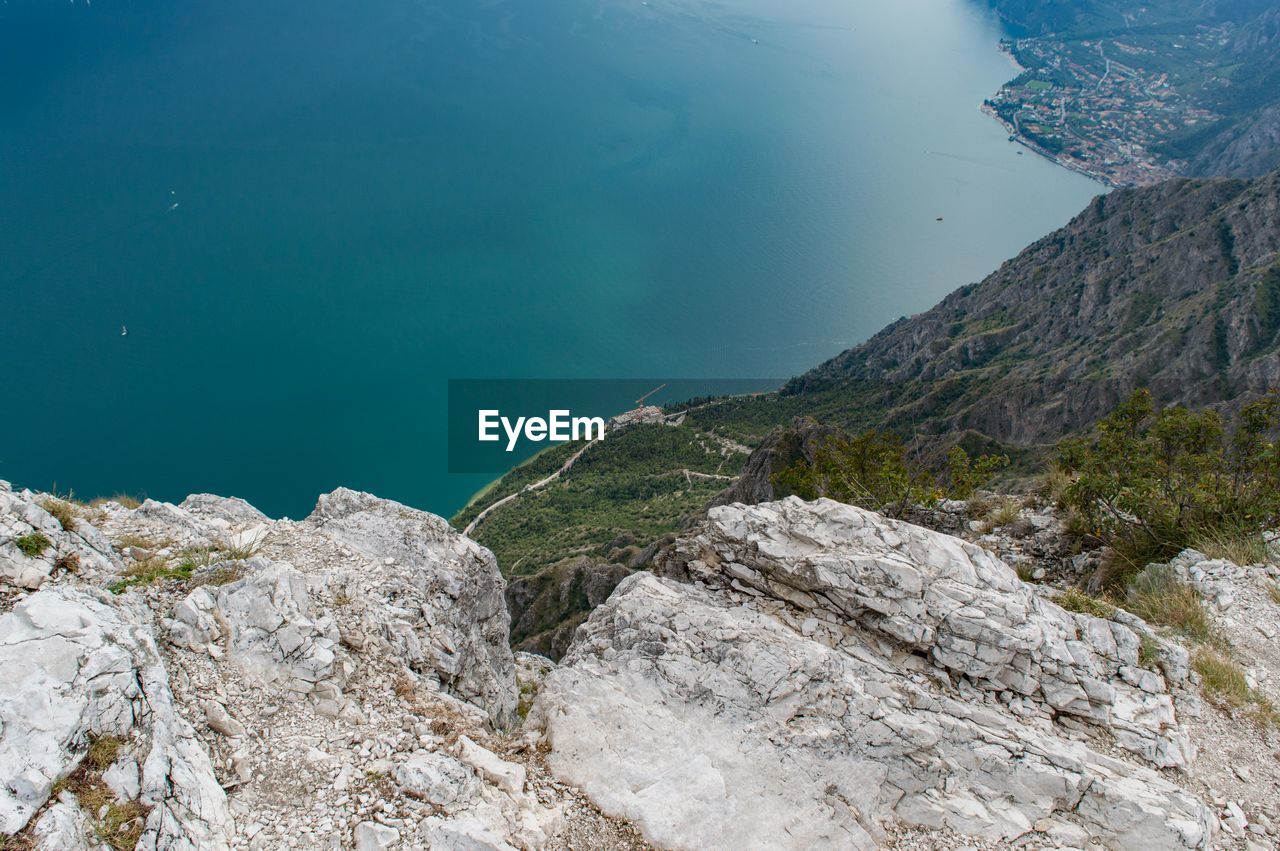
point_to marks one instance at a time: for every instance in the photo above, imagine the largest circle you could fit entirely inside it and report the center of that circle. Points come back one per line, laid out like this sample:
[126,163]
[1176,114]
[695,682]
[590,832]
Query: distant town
[1114,107]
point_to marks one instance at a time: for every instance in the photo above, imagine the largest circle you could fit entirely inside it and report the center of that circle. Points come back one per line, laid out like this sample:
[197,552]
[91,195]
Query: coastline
[1071,165]
[1016,135]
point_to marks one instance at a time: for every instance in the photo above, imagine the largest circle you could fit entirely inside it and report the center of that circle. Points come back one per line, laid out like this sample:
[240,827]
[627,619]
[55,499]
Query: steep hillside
[1174,287]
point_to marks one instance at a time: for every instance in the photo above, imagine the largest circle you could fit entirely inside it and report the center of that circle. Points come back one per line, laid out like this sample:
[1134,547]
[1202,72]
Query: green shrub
[872,470]
[33,544]
[1149,483]
[968,474]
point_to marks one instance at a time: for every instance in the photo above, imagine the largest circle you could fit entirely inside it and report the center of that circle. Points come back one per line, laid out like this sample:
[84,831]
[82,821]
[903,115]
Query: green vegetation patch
[1152,483]
[147,571]
[33,544]
[117,825]
[637,484]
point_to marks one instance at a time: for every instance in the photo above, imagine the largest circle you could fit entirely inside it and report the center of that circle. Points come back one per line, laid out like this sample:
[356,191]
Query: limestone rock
[828,673]
[446,615]
[371,836]
[941,597]
[62,827]
[265,620]
[79,550]
[437,778]
[76,664]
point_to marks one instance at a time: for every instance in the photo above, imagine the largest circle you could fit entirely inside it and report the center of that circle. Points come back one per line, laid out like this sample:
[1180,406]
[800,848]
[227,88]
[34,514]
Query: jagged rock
[62,827]
[446,613]
[229,509]
[941,597]
[505,775]
[122,778]
[371,836]
[266,621]
[76,664]
[781,448]
[437,778]
[220,721]
[81,550]
[463,835]
[829,672]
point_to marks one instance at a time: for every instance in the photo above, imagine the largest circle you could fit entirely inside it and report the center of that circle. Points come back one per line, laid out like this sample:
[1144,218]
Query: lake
[311,215]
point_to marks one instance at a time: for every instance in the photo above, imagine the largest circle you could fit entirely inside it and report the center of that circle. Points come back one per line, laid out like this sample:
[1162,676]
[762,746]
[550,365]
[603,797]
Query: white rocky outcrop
[81,550]
[77,664]
[444,613]
[346,678]
[793,675]
[824,673]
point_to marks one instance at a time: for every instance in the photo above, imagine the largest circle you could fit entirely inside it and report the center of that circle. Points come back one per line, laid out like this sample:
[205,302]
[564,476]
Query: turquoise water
[375,197]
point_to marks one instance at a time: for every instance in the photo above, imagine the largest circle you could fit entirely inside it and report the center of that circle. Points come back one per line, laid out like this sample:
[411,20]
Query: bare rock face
[77,665]
[34,545]
[823,673]
[447,614]
[546,607]
[267,622]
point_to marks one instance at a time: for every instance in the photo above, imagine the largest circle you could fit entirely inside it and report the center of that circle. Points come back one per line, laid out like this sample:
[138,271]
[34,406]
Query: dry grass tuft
[62,510]
[1173,604]
[1234,546]
[1075,600]
[117,825]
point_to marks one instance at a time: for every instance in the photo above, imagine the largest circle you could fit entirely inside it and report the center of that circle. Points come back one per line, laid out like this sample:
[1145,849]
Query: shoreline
[1071,165]
[1016,135]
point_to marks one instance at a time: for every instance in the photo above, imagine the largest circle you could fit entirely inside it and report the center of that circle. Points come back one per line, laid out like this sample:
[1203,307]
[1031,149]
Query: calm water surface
[375,197]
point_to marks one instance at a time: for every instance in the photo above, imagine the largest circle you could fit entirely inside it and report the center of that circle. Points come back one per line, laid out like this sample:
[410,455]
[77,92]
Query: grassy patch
[149,570]
[1161,599]
[1273,591]
[32,545]
[1234,546]
[62,510]
[1225,686]
[1004,513]
[118,825]
[243,550]
[1075,600]
[1223,680]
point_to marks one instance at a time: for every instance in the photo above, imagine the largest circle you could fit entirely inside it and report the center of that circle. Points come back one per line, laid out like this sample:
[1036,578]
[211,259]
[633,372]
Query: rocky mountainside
[790,675]
[1174,287]
[202,677]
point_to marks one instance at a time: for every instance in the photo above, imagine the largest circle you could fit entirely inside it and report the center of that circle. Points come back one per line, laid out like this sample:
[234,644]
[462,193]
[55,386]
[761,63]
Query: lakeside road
[541,483]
